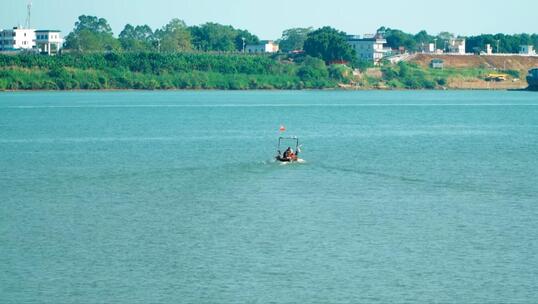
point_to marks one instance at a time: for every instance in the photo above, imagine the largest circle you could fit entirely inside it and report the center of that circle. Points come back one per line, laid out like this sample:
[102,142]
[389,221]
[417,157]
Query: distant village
[369,47]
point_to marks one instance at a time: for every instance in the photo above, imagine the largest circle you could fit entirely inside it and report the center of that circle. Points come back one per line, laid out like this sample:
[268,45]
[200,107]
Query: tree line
[93,34]
[501,43]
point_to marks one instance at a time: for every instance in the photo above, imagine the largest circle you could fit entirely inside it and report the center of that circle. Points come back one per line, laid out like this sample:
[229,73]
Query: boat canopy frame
[281,139]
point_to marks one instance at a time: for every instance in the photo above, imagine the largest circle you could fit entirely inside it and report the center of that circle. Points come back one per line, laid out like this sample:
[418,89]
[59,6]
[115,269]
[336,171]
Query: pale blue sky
[268,18]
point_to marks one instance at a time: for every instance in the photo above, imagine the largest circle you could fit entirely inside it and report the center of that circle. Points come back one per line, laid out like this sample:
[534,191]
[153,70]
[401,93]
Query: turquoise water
[172,197]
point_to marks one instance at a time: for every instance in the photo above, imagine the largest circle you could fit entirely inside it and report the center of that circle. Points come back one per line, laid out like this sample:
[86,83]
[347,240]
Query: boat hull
[533,83]
[289,161]
[532,79]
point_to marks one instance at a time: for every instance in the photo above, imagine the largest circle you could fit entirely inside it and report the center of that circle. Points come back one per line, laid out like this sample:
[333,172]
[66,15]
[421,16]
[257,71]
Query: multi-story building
[265,46]
[45,41]
[48,41]
[456,46]
[17,39]
[370,48]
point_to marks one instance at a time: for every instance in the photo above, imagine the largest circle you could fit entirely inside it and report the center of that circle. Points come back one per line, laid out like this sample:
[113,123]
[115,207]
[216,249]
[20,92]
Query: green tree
[397,38]
[341,73]
[313,69]
[294,39]
[423,38]
[136,39]
[329,44]
[91,34]
[214,37]
[445,36]
[174,37]
[93,24]
[501,42]
[443,39]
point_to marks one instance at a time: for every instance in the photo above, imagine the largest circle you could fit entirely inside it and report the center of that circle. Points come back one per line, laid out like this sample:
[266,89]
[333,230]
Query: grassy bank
[160,71]
[153,71]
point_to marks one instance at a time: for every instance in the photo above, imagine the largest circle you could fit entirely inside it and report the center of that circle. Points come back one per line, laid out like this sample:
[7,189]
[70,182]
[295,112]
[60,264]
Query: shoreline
[274,90]
[213,72]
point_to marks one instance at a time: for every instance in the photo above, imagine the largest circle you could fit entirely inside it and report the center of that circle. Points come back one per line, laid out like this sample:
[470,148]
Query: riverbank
[152,71]
[516,66]
[202,71]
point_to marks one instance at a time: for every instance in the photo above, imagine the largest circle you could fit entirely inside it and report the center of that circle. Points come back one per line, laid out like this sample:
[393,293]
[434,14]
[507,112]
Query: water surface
[172,197]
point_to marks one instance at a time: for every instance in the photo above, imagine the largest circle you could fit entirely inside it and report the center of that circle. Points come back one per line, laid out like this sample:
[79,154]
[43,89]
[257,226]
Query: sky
[268,18]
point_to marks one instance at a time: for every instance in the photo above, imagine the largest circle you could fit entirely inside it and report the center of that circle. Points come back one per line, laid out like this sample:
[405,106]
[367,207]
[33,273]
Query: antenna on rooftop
[29,15]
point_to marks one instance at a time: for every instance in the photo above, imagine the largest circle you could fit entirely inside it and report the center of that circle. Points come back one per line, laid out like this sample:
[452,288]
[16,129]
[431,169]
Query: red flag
[282,128]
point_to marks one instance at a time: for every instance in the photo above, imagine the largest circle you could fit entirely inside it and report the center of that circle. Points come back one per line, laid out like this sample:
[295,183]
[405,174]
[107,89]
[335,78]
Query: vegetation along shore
[213,56]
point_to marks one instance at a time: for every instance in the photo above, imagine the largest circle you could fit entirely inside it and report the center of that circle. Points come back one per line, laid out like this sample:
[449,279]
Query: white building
[456,46]
[369,48]
[527,50]
[489,49]
[17,39]
[428,48]
[49,41]
[266,46]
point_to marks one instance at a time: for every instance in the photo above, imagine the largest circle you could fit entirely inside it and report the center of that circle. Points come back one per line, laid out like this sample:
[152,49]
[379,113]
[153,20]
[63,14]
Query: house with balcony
[20,39]
[369,47]
[49,41]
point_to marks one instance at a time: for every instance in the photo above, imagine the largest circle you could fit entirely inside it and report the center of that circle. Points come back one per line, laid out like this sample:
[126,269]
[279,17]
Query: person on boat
[287,153]
[292,156]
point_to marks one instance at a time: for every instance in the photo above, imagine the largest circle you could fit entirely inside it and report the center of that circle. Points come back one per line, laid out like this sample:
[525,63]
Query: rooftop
[366,38]
[17,29]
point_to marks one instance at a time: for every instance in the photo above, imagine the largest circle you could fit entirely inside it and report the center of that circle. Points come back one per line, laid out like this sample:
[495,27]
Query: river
[173,197]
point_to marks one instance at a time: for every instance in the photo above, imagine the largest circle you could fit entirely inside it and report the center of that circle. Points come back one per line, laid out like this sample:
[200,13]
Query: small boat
[532,79]
[289,155]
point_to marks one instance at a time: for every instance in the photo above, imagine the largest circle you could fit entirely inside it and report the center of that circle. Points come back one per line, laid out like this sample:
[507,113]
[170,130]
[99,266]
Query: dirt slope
[521,63]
